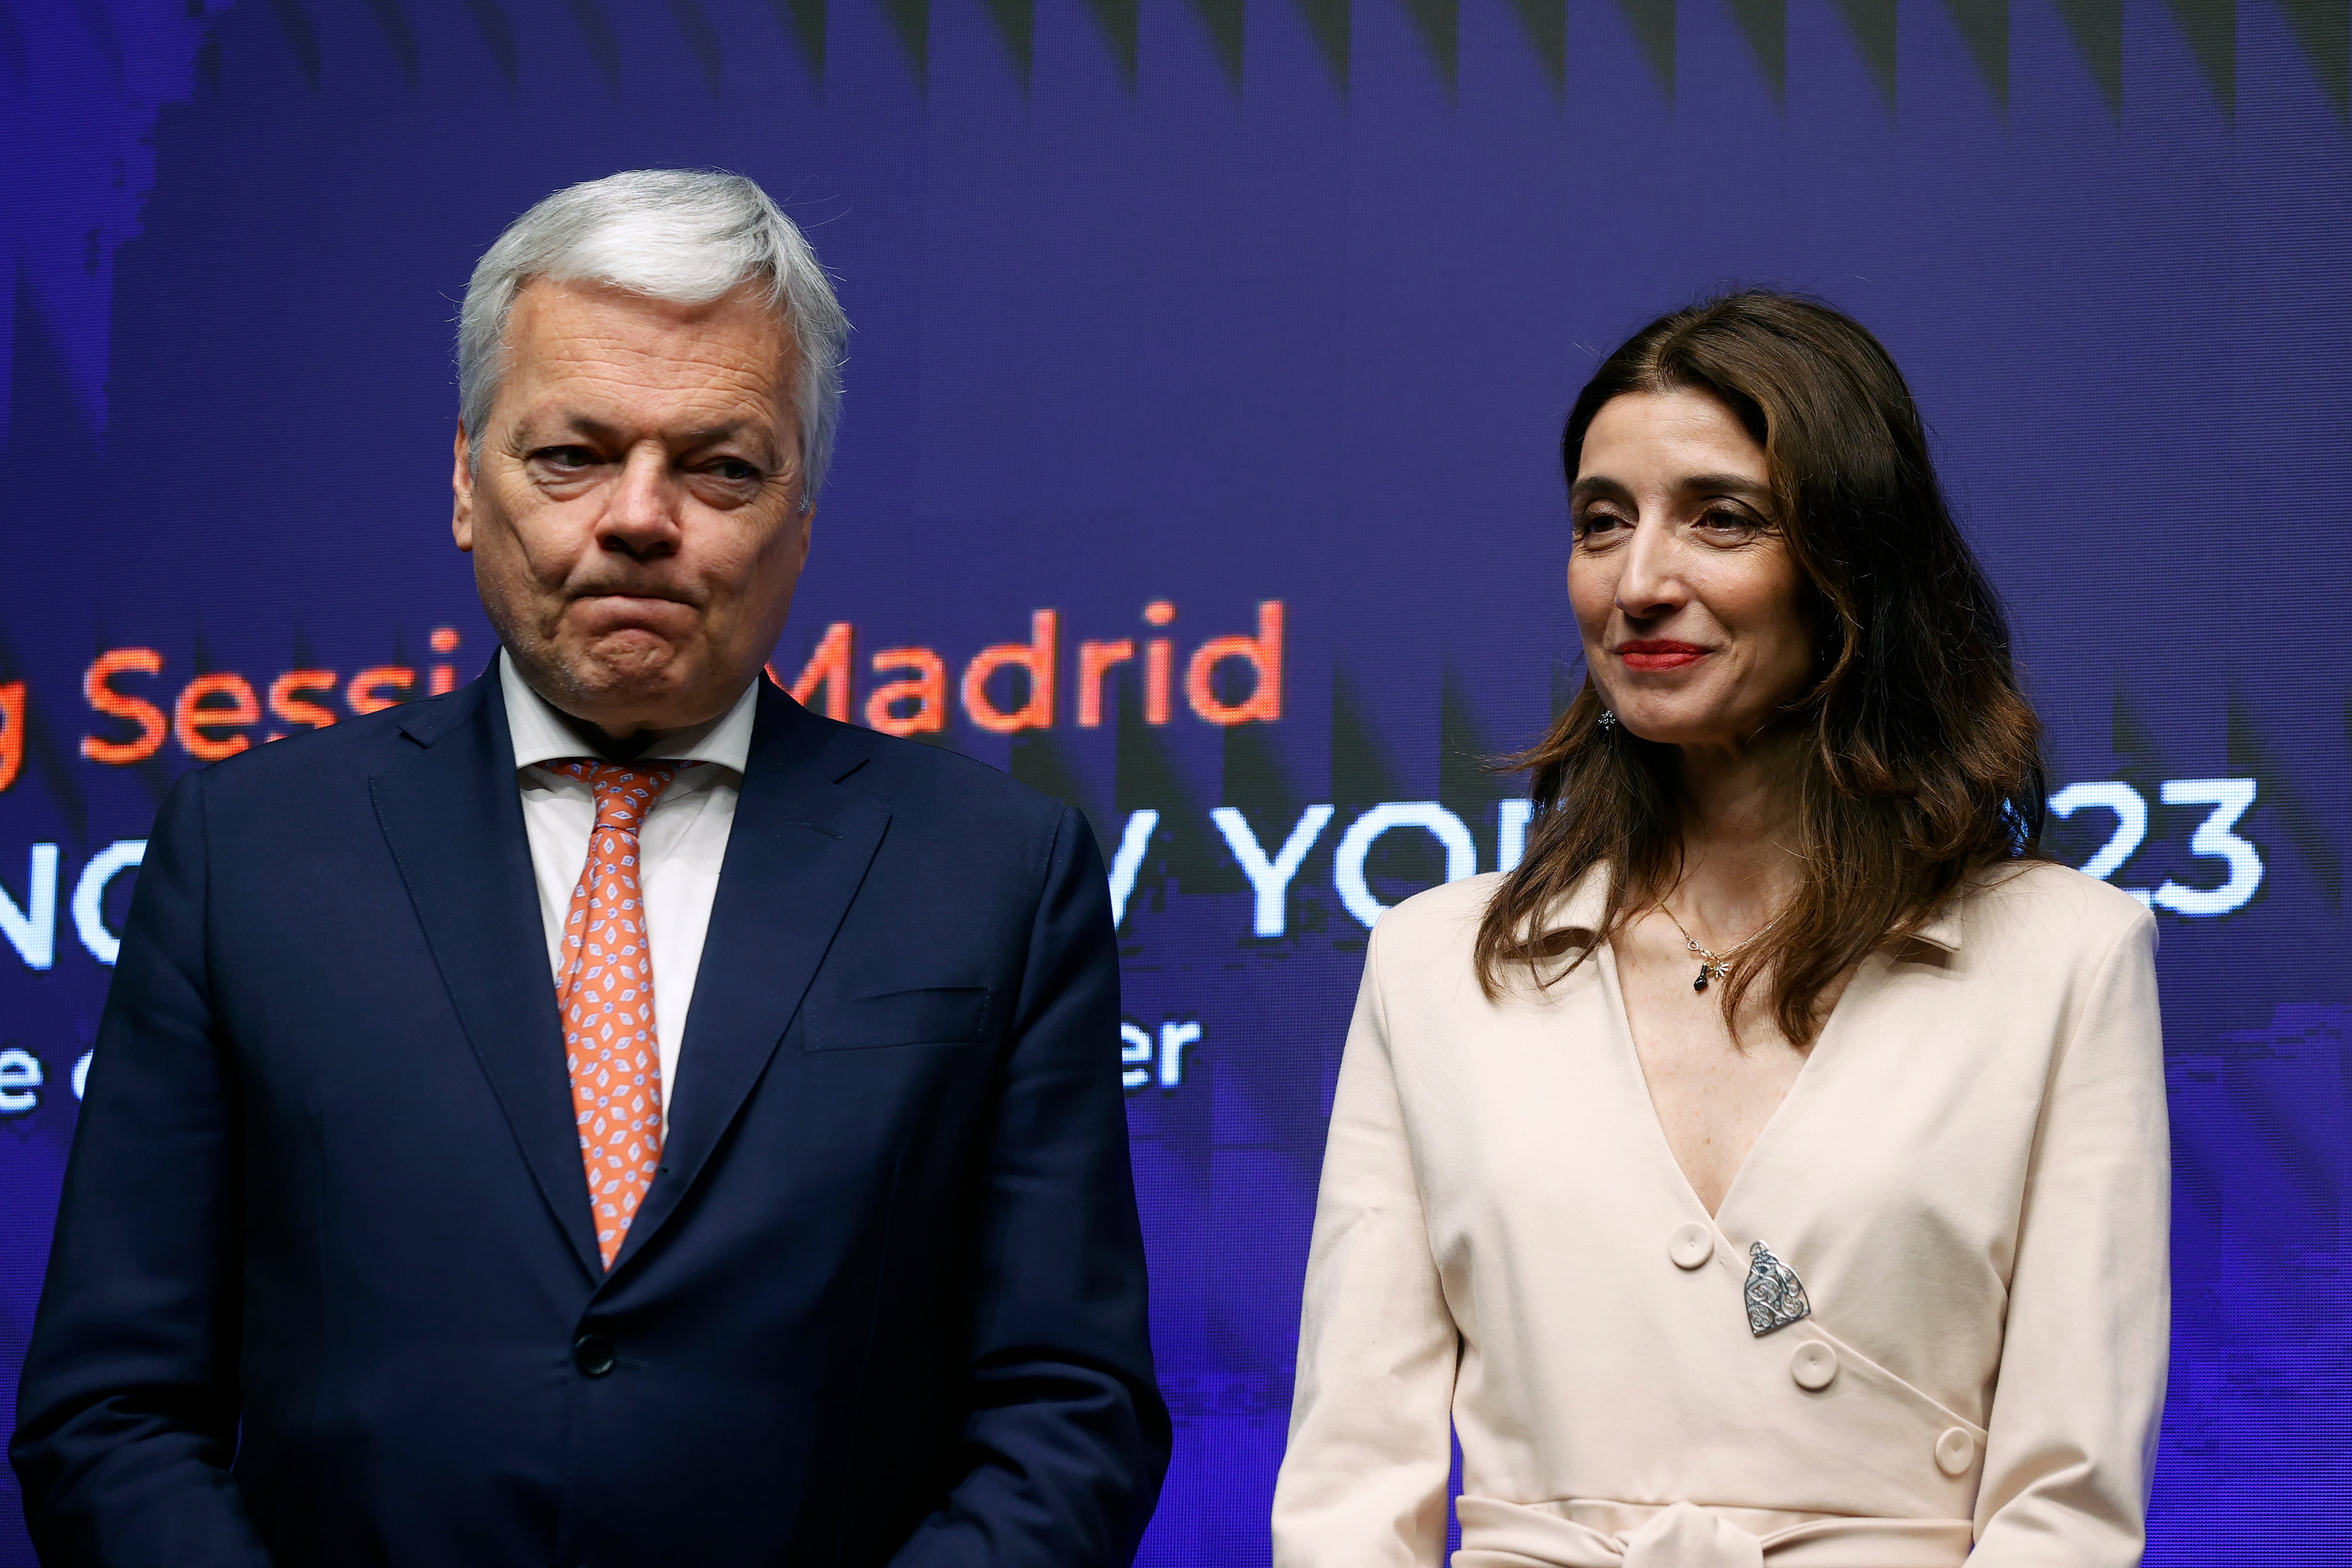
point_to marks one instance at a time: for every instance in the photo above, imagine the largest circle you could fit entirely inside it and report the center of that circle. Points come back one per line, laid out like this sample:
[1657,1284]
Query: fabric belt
[1598,1534]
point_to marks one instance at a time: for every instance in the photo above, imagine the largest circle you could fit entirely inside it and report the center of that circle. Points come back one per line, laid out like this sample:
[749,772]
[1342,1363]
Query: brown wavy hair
[1922,762]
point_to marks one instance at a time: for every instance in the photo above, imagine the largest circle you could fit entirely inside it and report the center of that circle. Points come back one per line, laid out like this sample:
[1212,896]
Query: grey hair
[682,236]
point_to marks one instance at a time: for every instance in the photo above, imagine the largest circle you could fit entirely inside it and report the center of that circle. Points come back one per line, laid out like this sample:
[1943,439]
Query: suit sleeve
[1363,1483]
[2071,1442]
[127,1413]
[1067,1436]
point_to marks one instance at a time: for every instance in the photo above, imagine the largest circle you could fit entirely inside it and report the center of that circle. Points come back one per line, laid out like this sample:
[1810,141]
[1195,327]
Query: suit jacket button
[1691,1246]
[592,1355]
[1815,1366]
[1955,1450]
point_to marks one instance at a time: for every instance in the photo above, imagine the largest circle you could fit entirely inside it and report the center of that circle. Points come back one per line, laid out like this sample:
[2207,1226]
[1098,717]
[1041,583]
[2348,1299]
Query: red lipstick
[1659,653]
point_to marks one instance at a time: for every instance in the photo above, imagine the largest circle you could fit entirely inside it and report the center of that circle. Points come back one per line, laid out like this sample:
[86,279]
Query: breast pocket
[932,1016]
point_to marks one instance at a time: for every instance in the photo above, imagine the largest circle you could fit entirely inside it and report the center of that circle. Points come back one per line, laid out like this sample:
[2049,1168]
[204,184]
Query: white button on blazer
[1969,1176]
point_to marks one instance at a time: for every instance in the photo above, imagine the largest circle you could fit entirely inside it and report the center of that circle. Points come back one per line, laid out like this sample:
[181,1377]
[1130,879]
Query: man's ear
[461,492]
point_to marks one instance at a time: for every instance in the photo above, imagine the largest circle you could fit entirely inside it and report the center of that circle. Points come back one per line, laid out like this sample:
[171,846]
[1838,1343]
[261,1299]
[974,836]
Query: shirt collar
[1578,910]
[541,734]
[1944,931]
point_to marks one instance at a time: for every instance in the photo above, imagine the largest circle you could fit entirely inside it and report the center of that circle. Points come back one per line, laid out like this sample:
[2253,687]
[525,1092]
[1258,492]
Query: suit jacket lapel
[453,816]
[795,858]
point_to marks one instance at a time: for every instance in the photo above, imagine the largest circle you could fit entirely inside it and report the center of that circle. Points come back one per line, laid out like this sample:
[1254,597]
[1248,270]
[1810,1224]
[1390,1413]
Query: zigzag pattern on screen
[2322,29]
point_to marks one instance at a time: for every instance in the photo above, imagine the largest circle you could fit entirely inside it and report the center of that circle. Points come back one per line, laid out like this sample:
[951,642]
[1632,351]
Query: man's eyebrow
[751,432]
[756,435]
[533,430]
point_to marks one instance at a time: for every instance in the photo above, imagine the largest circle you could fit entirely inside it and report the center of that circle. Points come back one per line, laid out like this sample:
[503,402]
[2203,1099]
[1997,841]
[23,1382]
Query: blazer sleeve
[127,1413]
[1068,1439]
[1363,1483]
[2072,1441]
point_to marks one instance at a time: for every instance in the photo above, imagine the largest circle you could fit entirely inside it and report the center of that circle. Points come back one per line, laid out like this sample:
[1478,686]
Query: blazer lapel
[795,858]
[453,816]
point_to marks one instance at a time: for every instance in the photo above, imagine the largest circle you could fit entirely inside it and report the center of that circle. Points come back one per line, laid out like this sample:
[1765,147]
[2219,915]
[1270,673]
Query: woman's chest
[1889,1176]
[1712,1090]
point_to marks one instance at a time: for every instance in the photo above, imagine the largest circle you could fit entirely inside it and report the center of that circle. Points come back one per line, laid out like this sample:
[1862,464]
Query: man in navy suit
[607,1116]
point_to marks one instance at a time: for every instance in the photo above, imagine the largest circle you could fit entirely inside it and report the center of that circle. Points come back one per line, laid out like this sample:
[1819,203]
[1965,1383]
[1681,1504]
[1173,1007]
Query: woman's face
[1682,583]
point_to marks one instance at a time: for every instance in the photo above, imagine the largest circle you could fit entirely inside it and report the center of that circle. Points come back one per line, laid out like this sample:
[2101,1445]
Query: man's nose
[1652,582]
[642,519]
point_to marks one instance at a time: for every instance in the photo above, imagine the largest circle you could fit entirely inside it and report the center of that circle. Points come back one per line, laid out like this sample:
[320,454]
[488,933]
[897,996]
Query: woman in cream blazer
[1877,1278]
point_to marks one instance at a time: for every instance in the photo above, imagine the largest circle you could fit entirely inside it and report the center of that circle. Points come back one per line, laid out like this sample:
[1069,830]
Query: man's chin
[620,688]
[651,698]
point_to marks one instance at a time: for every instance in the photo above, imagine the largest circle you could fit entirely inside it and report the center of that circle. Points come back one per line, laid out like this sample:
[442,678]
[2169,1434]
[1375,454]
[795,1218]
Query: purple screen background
[1224,302]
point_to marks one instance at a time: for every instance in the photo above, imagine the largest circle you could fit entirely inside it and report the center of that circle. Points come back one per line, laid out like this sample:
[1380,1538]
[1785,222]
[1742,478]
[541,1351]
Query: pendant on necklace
[1706,972]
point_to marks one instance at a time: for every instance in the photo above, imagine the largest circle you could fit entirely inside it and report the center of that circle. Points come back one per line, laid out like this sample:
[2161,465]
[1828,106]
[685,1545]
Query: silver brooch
[1776,1297]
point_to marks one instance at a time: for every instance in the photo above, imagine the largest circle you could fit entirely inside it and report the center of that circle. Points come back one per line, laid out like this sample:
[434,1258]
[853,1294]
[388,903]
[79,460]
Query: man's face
[635,522]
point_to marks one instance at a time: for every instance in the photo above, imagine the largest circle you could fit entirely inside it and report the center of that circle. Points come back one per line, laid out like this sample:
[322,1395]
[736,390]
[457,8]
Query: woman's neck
[1739,865]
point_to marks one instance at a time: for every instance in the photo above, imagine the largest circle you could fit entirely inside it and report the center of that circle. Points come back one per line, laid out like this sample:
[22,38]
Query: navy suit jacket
[324,1290]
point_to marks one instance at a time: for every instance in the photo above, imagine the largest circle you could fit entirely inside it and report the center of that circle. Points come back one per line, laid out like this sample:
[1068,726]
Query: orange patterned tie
[606,997]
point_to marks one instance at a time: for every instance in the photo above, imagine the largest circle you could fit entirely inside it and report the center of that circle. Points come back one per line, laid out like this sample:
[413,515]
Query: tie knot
[624,790]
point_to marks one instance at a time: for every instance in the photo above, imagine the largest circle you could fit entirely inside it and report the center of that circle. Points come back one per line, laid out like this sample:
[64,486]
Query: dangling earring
[1608,720]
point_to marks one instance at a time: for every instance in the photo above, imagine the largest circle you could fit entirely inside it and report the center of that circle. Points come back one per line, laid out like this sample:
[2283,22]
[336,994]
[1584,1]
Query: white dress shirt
[680,847]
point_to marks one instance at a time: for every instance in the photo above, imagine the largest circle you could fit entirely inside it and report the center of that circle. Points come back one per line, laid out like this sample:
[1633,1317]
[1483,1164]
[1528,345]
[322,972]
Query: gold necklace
[1713,965]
